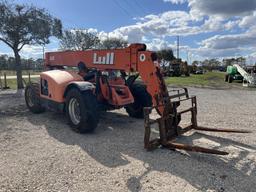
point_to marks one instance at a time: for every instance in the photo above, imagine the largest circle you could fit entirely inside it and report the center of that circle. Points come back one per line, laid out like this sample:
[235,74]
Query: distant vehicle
[232,74]
[236,72]
[176,68]
[222,68]
[199,72]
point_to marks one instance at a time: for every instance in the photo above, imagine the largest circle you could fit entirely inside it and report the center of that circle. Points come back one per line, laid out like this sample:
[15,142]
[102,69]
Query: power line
[178,47]
[142,8]
[132,6]
[122,8]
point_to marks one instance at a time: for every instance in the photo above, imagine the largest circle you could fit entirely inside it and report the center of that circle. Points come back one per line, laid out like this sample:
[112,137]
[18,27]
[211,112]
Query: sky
[206,28]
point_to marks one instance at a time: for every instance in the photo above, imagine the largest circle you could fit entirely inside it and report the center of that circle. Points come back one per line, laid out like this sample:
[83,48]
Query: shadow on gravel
[118,137]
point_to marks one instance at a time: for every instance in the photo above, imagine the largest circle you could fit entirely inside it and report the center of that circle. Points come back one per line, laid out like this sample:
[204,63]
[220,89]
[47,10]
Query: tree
[113,43]
[194,66]
[3,62]
[210,64]
[195,63]
[231,61]
[8,63]
[79,40]
[22,25]
[165,56]
[11,63]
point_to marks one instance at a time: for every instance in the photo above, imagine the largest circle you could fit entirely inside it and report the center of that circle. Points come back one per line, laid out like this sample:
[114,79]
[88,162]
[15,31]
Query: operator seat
[85,72]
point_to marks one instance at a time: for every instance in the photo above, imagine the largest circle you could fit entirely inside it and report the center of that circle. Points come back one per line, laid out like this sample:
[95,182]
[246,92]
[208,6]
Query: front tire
[141,99]
[226,78]
[230,79]
[32,98]
[81,110]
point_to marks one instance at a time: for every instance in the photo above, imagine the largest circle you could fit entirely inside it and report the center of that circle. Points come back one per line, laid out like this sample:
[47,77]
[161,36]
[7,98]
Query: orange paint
[57,83]
[131,59]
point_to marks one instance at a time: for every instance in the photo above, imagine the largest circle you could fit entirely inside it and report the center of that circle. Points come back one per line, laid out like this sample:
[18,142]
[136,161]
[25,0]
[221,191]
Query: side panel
[53,84]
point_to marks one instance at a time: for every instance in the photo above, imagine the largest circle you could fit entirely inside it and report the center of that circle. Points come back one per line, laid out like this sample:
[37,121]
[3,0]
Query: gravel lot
[41,152]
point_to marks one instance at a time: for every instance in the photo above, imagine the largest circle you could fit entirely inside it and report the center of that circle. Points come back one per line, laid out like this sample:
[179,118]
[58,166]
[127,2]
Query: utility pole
[188,57]
[43,52]
[178,46]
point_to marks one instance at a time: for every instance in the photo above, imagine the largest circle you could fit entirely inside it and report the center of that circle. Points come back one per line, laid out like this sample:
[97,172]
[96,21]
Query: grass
[24,72]
[12,83]
[209,79]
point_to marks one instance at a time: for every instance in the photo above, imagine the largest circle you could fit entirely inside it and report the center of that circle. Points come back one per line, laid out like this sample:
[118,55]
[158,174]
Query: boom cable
[122,8]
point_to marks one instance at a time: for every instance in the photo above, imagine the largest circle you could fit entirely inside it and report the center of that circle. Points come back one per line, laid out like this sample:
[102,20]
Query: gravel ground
[41,152]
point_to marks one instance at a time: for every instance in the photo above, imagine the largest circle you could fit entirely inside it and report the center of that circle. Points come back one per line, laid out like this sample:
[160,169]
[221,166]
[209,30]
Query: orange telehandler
[109,79]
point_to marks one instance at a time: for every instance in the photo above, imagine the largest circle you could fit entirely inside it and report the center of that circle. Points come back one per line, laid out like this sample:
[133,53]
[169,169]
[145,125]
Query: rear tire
[141,99]
[81,110]
[32,98]
[226,78]
[230,79]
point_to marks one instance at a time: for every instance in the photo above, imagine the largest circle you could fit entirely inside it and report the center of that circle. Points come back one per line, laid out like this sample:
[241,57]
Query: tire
[32,98]
[226,78]
[81,110]
[230,79]
[141,99]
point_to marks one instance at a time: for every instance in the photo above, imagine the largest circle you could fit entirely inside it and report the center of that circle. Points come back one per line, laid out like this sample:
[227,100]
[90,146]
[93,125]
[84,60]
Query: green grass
[12,83]
[212,79]
[24,72]
[209,79]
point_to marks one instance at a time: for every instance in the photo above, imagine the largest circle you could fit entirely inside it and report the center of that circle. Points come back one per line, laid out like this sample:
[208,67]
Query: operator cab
[110,85]
[86,73]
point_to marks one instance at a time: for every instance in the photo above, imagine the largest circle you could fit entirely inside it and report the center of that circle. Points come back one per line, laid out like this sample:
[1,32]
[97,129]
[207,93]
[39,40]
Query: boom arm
[134,58]
[249,78]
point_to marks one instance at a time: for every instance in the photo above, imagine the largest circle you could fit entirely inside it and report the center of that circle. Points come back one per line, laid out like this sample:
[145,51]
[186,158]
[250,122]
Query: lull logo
[106,60]
[52,58]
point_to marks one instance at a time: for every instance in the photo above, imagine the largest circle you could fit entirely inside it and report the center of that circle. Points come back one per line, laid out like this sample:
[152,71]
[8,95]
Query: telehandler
[112,79]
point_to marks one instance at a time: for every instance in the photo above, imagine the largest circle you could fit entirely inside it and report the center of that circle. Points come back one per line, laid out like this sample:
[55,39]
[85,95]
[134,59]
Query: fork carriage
[169,128]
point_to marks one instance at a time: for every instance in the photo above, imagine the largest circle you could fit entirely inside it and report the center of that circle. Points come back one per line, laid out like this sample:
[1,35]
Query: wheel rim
[74,111]
[30,98]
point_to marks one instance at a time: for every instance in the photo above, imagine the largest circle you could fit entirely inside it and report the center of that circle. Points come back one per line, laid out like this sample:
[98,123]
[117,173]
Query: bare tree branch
[22,46]
[5,41]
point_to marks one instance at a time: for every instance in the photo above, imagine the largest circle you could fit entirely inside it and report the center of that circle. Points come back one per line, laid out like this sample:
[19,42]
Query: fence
[4,83]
